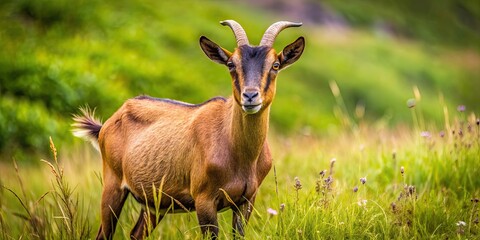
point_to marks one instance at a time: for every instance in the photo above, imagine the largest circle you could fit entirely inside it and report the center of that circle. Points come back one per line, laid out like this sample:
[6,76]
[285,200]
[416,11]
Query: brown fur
[210,156]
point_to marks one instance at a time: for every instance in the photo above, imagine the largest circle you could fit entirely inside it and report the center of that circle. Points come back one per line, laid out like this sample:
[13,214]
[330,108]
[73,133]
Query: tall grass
[415,191]
[56,214]
[366,182]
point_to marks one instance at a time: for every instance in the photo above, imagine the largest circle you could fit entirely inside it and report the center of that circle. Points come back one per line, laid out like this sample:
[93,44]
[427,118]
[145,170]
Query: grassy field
[351,159]
[367,182]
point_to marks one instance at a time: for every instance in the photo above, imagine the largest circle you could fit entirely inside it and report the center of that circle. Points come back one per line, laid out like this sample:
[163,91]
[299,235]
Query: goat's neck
[248,132]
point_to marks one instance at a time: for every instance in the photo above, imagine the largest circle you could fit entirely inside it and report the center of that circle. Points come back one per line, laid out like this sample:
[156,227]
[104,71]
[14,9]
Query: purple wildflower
[425,134]
[363,180]
[272,212]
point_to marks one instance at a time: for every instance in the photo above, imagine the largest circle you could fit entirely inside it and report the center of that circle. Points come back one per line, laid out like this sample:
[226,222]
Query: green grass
[60,55]
[430,199]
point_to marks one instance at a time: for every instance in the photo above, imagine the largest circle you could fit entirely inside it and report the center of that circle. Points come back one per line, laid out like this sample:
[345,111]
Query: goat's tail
[86,126]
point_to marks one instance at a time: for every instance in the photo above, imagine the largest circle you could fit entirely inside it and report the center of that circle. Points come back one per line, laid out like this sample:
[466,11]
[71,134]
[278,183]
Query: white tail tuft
[86,126]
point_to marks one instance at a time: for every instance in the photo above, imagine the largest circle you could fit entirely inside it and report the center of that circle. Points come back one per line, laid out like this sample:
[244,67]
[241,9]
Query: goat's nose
[250,96]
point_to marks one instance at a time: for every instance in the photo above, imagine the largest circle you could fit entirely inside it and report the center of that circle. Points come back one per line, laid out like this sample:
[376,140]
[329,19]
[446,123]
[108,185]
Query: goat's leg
[140,231]
[241,215]
[113,198]
[207,216]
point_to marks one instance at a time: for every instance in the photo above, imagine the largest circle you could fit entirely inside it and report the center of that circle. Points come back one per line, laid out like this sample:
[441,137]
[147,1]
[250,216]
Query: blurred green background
[58,55]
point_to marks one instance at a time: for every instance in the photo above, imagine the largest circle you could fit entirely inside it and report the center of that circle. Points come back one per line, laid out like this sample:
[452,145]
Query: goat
[206,157]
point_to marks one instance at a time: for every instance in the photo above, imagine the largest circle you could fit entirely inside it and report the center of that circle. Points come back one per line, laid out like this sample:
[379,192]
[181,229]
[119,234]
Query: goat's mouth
[251,108]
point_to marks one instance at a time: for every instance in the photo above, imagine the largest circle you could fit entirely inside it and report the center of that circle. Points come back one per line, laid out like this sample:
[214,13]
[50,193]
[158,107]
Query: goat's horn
[240,34]
[272,32]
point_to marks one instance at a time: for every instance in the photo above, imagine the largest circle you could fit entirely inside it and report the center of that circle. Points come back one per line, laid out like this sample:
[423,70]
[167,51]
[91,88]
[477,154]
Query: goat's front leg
[241,214]
[207,215]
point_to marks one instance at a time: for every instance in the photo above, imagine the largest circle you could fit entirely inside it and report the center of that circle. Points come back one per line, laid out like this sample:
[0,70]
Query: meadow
[367,182]
[375,131]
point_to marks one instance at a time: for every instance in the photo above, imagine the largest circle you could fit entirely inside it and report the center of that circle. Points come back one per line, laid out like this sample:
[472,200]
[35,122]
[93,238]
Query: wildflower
[461,108]
[394,207]
[362,203]
[425,134]
[460,225]
[282,207]
[442,134]
[402,170]
[298,184]
[323,172]
[411,103]
[355,189]
[400,196]
[272,212]
[409,190]
[328,180]
[363,180]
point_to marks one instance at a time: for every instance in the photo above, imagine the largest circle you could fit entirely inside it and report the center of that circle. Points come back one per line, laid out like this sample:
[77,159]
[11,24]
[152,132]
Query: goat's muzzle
[251,100]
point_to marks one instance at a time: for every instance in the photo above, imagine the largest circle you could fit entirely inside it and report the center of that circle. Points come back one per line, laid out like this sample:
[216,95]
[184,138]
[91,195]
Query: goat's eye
[230,65]
[276,66]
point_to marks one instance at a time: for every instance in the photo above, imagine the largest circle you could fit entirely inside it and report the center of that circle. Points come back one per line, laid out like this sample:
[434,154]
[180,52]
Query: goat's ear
[291,53]
[214,52]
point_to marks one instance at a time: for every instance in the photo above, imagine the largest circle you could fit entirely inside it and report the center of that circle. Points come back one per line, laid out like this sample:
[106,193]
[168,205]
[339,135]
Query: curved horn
[240,34]
[272,32]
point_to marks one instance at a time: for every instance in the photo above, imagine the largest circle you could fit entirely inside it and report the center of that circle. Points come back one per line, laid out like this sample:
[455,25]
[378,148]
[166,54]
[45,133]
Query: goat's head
[254,68]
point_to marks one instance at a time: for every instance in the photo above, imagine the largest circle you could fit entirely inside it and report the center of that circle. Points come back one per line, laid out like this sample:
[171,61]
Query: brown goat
[204,157]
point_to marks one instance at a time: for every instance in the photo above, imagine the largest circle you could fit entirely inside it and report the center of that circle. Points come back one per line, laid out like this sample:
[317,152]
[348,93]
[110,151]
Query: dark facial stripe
[253,60]
[267,84]
[236,82]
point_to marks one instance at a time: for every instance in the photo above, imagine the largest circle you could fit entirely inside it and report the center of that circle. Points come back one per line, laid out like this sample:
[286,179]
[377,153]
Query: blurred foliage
[450,22]
[59,55]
